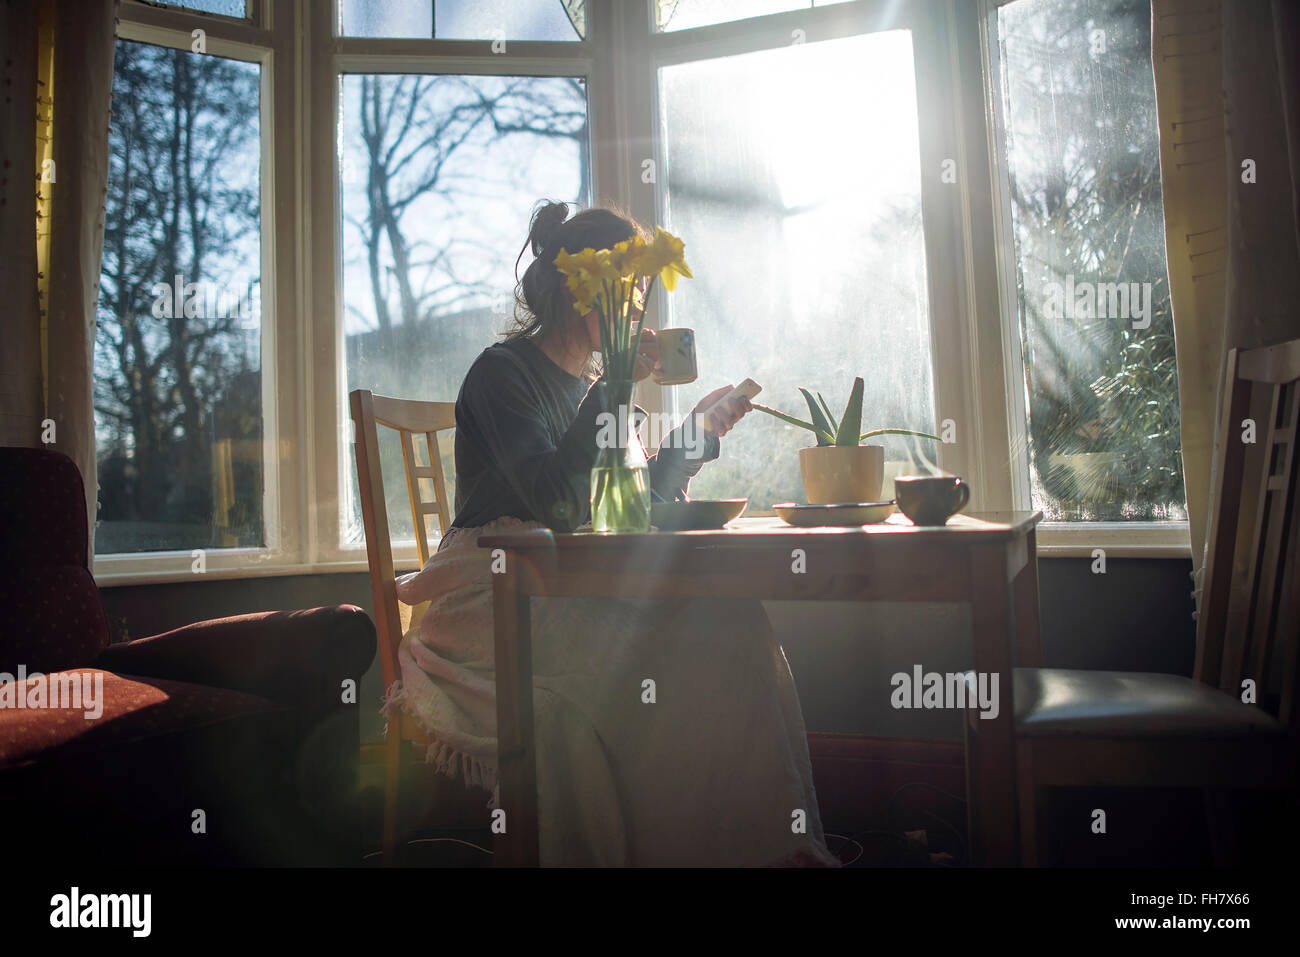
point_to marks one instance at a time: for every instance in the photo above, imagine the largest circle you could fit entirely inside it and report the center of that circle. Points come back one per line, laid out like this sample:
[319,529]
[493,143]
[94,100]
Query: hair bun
[545,222]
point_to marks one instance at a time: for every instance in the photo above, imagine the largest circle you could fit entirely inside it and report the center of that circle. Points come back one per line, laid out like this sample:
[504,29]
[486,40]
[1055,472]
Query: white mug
[676,356]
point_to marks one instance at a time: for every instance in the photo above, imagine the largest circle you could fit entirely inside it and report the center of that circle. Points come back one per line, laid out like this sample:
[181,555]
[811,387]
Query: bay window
[865,187]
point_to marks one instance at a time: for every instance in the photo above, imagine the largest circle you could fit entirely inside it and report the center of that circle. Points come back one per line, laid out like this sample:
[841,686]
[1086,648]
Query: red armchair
[242,719]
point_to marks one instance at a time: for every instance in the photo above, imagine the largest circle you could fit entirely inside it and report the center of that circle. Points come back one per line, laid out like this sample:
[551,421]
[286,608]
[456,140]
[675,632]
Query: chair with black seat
[1234,723]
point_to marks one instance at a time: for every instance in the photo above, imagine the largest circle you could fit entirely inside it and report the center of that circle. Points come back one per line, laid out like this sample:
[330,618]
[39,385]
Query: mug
[677,356]
[930,499]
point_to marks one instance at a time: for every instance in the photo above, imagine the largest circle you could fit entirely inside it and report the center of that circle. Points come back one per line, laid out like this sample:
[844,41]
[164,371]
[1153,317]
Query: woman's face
[591,329]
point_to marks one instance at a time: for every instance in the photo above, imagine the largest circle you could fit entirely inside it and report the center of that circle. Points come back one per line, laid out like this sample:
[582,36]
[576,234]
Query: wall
[1136,617]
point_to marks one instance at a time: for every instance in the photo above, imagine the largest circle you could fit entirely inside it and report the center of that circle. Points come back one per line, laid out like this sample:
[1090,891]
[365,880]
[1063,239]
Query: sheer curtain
[1226,93]
[58,65]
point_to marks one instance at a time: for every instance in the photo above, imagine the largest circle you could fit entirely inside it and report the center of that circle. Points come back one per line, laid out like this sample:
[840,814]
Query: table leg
[1029,643]
[992,798]
[516,756]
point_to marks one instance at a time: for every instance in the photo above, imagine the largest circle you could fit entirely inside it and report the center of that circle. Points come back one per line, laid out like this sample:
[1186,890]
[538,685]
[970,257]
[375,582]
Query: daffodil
[624,255]
[664,256]
[600,264]
[585,292]
[614,282]
[578,279]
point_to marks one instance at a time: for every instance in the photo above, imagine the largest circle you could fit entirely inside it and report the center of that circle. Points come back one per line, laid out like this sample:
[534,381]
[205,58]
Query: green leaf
[852,421]
[822,425]
[830,415]
[823,438]
[924,435]
[785,418]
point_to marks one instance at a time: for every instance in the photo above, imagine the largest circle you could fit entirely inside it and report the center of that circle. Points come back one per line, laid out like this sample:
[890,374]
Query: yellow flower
[566,262]
[633,260]
[664,256]
[585,292]
[603,268]
[624,255]
[577,279]
[586,274]
[593,274]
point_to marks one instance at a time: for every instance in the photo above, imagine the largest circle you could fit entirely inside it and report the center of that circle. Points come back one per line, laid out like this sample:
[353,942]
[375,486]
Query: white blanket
[714,772]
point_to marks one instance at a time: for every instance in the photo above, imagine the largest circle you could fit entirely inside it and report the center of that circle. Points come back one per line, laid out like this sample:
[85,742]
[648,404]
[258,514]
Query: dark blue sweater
[526,441]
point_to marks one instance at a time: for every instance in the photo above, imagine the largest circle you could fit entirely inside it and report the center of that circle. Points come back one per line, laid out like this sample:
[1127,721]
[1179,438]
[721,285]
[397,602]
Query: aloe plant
[847,431]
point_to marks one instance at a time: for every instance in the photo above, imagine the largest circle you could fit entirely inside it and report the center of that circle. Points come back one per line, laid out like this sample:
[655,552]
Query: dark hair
[542,303]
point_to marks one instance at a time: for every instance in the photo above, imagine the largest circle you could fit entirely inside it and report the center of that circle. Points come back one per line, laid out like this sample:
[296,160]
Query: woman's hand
[725,415]
[647,360]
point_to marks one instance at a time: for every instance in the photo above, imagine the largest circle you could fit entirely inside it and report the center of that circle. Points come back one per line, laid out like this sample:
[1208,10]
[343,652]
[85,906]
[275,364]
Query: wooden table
[988,560]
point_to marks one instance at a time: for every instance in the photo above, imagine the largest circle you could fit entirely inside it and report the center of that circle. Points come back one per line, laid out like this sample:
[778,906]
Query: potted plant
[839,469]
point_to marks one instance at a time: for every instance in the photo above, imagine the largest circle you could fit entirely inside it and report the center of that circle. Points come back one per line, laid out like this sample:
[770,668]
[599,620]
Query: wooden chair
[1116,729]
[426,489]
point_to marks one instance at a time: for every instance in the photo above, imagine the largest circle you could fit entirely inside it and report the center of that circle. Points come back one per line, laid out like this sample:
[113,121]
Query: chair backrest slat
[414,416]
[1246,581]
[411,461]
[435,466]
[1278,468]
[408,418]
[1250,610]
[1212,619]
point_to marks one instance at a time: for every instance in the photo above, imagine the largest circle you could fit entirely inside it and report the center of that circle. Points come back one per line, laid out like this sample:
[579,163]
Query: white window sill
[1116,539]
[159,568]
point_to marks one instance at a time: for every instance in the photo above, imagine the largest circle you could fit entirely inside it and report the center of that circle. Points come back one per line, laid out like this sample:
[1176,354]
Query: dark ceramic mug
[930,499]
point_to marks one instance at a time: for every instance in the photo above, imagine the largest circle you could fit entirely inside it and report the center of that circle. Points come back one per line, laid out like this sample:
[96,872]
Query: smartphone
[749,388]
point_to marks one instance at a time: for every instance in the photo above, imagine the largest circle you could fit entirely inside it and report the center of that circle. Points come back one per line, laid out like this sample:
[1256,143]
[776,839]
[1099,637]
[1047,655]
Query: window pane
[803,230]
[178,379]
[1093,291]
[429,252]
[227,8]
[464,19]
[684,14]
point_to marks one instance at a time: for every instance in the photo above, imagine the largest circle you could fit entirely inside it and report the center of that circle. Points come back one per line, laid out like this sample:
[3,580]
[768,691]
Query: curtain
[21,408]
[58,64]
[1226,98]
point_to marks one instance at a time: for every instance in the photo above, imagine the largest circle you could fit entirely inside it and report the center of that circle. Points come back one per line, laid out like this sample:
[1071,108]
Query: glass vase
[620,479]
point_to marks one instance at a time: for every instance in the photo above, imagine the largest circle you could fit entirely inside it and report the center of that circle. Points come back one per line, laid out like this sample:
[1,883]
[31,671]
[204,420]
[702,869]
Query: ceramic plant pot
[842,474]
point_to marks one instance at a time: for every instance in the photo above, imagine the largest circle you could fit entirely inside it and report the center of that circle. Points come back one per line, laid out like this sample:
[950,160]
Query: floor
[906,808]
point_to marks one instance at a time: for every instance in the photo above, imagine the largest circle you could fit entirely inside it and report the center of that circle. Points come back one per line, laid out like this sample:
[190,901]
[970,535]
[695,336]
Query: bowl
[697,514]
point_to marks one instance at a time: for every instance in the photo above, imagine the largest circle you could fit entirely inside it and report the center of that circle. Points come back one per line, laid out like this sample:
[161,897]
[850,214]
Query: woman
[714,770]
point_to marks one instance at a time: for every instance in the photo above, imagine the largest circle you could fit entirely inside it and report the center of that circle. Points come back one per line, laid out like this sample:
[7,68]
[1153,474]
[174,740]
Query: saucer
[849,513]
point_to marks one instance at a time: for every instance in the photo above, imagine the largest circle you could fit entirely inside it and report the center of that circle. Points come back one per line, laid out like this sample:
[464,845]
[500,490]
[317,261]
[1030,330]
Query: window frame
[976,362]
[953,339]
[263,38]
[358,55]
[1059,539]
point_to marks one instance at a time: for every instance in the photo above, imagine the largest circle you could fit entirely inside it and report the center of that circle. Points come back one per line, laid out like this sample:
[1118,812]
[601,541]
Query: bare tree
[178,203]
[413,130]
